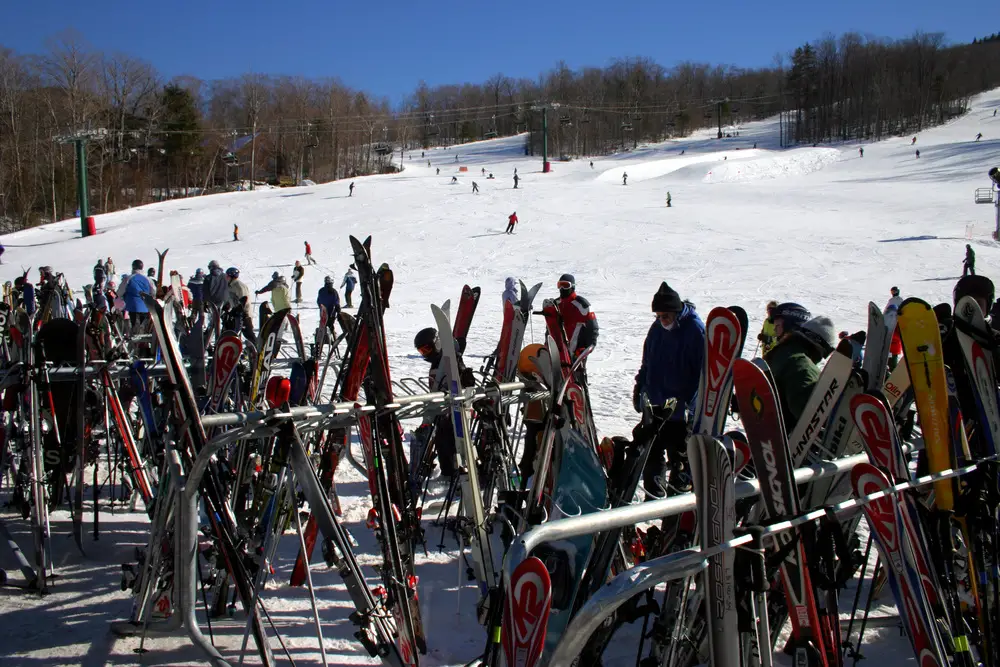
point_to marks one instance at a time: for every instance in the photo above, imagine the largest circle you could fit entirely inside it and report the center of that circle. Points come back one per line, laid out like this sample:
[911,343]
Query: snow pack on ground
[821,226]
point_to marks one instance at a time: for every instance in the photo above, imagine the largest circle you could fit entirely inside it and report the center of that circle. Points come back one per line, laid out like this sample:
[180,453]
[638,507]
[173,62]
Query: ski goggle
[564,284]
[426,350]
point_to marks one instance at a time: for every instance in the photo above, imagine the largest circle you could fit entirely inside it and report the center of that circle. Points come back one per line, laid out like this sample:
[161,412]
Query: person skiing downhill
[511,221]
[350,189]
[329,298]
[579,322]
[297,273]
[673,356]
[309,254]
[625,178]
[969,263]
[350,280]
[278,287]
[516,179]
[767,337]
[510,291]
[861,151]
[475,188]
[236,232]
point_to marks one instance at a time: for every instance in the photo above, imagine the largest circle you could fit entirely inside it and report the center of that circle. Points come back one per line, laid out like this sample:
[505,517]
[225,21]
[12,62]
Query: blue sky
[387,46]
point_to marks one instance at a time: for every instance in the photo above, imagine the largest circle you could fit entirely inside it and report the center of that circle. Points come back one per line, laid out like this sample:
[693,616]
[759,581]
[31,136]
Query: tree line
[147,139]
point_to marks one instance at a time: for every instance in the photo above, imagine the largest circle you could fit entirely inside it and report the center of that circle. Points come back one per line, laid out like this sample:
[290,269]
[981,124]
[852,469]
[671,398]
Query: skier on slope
[428,345]
[511,221]
[516,179]
[309,254]
[236,232]
[475,188]
[673,356]
[625,178]
[969,263]
[350,189]
[297,273]
[100,275]
[510,291]
[350,280]
[579,322]
[767,337]
[109,269]
[238,300]
[278,287]
[329,298]
[803,342]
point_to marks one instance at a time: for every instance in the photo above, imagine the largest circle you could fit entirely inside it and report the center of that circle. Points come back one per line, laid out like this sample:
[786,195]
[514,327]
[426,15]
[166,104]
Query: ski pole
[868,607]
[857,593]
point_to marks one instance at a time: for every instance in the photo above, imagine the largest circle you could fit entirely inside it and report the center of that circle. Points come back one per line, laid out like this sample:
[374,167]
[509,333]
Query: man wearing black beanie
[672,365]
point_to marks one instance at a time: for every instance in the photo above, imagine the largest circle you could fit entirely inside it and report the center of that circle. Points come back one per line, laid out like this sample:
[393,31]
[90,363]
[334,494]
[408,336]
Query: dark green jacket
[793,367]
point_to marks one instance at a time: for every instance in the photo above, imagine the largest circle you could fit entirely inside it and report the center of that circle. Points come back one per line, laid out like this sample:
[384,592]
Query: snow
[820,226]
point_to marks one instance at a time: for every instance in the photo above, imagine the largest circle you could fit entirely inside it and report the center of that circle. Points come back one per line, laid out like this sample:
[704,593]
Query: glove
[760,337]
[637,398]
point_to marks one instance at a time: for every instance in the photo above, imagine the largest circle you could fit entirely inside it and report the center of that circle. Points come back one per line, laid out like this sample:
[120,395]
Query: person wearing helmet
[428,345]
[894,301]
[238,299]
[766,337]
[329,299]
[215,288]
[673,356]
[793,361]
[787,318]
[534,411]
[278,287]
[510,291]
[579,322]
[196,284]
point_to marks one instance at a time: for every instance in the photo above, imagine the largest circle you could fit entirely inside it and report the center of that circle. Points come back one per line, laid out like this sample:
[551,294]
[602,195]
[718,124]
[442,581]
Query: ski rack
[688,562]
[311,418]
[259,424]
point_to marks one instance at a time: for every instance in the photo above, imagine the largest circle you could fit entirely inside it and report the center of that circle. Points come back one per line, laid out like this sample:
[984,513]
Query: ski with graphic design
[973,333]
[268,346]
[766,434]
[715,491]
[526,614]
[822,400]
[723,341]
[463,318]
[515,317]
[223,370]
[924,357]
[894,545]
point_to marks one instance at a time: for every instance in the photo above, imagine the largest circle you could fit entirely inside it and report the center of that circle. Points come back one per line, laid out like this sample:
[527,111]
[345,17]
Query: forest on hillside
[147,139]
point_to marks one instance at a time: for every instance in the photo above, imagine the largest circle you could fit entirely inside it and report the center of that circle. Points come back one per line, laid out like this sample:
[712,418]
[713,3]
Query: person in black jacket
[969,263]
[215,288]
[297,274]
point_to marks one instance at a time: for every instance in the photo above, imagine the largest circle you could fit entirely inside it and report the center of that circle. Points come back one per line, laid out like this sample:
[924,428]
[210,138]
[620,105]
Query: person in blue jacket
[329,298]
[131,292]
[673,357]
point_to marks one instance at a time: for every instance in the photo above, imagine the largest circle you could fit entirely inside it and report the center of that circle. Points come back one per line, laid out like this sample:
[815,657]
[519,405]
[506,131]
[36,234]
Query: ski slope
[820,226]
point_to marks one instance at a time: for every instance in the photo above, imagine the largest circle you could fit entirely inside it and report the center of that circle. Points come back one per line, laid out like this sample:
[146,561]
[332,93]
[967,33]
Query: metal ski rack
[685,563]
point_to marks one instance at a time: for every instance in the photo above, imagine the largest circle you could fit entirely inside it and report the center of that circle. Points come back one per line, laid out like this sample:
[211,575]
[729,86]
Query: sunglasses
[564,284]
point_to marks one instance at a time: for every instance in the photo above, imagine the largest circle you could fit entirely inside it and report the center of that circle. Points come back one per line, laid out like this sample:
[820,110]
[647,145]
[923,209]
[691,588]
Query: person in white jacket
[894,301]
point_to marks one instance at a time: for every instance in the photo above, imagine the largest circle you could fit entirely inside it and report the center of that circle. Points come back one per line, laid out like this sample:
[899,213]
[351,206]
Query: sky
[386,47]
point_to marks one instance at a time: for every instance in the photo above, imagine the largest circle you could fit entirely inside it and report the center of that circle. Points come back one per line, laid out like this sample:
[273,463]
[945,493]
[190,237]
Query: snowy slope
[816,225]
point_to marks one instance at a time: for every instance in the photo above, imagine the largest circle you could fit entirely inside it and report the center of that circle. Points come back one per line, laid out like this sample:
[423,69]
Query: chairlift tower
[992,195]
[80,139]
[544,108]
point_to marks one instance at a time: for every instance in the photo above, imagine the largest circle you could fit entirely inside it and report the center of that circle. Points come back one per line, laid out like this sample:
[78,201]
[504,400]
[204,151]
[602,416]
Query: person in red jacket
[309,254]
[579,322]
[511,221]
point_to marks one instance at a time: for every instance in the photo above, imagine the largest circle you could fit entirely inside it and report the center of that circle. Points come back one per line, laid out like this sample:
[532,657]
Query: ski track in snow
[816,225]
